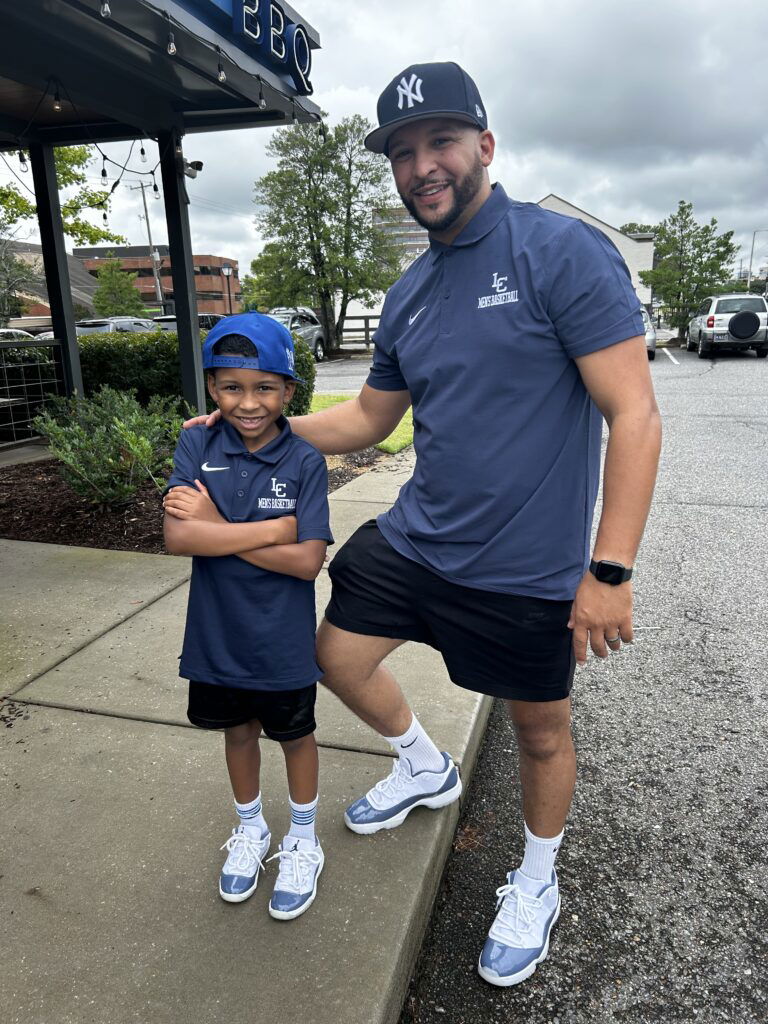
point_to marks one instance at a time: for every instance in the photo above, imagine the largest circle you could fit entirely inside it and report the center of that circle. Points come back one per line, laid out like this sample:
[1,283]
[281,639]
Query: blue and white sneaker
[390,801]
[240,874]
[519,937]
[301,861]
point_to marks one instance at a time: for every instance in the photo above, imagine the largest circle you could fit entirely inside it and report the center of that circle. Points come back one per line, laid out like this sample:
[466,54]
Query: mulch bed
[36,505]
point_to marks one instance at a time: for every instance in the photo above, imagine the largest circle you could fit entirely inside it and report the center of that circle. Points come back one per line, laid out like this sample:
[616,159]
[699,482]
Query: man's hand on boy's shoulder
[192,503]
[207,421]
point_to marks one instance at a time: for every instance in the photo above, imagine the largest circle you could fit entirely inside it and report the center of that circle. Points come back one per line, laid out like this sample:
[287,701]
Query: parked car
[650,333]
[736,321]
[14,334]
[302,321]
[109,324]
[205,321]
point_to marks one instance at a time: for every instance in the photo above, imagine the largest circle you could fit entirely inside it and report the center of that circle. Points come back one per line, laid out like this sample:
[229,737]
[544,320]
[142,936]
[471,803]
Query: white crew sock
[539,856]
[417,749]
[303,819]
[251,818]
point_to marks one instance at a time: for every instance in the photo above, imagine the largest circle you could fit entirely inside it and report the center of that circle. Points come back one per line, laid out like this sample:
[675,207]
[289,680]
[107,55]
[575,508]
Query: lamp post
[751,254]
[226,270]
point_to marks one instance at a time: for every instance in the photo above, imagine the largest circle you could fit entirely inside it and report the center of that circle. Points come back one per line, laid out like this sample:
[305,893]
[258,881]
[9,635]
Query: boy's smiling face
[251,401]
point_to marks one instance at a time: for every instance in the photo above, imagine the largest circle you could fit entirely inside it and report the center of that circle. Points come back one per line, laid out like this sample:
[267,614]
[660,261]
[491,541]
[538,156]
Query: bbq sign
[267,30]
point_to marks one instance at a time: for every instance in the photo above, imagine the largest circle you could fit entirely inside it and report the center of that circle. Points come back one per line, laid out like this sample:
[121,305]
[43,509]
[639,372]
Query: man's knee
[348,659]
[543,730]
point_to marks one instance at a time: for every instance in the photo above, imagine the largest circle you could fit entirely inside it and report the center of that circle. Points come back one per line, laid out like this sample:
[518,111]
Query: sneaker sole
[239,897]
[432,802]
[515,979]
[288,915]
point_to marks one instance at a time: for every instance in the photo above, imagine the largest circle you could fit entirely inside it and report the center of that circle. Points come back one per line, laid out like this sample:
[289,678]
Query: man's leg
[529,903]
[422,776]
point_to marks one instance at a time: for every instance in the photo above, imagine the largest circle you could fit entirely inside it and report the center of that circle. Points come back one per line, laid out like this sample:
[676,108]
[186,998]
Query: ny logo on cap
[409,92]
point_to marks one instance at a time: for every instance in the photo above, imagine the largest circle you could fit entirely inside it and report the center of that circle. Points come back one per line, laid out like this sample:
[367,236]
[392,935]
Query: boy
[248,500]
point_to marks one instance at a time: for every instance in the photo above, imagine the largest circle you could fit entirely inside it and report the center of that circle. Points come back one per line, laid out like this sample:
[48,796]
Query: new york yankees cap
[423,91]
[272,341]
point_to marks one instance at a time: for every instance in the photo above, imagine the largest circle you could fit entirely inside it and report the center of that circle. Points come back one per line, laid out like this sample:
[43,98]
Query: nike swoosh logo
[212,469]
[415,317]
[404,746]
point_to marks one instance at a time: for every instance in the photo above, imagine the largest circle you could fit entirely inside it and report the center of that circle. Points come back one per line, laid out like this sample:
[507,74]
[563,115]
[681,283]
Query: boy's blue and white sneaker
[390,801]
[240,874]
[519,937]
[301,861]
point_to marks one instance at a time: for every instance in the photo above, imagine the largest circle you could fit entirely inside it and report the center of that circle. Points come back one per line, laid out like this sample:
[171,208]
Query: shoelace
[388,788]
[243,853]
[294,867]
[516,914]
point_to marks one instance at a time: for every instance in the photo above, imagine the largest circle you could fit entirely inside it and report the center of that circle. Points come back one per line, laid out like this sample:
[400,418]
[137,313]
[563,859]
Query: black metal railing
[30,375]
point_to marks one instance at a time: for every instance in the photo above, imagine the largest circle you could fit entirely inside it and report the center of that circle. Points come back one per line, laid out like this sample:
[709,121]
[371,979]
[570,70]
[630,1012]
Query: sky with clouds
[622,109]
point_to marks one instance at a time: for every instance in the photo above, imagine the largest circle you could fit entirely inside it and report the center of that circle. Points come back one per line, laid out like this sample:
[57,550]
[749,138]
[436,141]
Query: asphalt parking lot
[663,879]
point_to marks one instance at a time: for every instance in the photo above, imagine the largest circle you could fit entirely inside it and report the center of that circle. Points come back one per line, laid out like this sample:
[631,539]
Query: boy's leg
[249,843]
[422,774]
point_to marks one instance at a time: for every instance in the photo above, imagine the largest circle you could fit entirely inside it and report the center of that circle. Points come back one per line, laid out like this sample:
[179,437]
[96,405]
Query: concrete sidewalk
[114,809]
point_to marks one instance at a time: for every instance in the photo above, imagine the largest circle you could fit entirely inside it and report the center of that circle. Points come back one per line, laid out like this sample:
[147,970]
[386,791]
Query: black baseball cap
[423,91]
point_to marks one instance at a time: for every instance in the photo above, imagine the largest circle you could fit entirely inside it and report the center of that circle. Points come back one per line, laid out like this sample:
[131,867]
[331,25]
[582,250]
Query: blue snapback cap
[424,91]
[272,341]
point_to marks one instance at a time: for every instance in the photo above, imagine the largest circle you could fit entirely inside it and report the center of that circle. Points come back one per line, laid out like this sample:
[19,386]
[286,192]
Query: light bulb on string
[56,100]
[104,171]
[220,73]
[155,189]
[294,118]
[171,47]
[262,101]
[143,154]
[105,10]
[23,165]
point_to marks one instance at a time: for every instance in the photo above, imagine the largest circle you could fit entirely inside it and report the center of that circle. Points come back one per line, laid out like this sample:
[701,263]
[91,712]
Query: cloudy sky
[620,108]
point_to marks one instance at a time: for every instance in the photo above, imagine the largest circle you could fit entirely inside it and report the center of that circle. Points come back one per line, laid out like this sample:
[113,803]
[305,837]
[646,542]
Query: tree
[276,280]
[71,164]
[15,275]
[692,262]
[633,228]
[116,295]
[317,210]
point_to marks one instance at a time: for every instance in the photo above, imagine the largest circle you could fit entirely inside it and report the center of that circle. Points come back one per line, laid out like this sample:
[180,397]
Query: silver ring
[613,639]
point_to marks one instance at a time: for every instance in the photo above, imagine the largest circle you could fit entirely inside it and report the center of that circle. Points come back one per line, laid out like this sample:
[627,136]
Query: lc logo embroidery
[501,294]
[409,92]
[280,501]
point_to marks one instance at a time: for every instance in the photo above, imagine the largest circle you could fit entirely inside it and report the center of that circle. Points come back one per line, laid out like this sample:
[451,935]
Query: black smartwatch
[613,573]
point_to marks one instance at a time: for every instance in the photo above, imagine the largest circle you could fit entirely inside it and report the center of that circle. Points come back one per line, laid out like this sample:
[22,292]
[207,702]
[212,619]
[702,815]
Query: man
[510,336]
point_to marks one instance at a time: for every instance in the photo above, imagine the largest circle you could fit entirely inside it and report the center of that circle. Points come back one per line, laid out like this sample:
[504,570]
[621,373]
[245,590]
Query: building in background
[403,230]
[34,296]
[217,284]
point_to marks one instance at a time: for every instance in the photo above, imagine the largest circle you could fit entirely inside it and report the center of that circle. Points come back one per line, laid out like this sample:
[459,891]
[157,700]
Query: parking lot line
[669,354]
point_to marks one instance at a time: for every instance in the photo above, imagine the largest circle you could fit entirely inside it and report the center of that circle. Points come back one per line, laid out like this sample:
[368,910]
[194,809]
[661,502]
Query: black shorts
[284,714]
[504,645]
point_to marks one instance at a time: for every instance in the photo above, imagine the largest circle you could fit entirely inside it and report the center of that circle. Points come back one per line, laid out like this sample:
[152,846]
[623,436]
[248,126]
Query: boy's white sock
[539,855]
[251,818]
[303,819]
[417,749]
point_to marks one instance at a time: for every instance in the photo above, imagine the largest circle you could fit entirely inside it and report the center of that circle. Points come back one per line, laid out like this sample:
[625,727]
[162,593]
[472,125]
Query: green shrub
[148,364]
[110,444]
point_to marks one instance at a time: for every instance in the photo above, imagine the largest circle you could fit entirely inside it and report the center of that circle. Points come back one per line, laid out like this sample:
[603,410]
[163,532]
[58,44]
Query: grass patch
[400,437]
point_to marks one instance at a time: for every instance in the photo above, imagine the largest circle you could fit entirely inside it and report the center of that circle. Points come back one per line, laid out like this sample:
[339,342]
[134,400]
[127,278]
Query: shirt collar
[484,221]
[232,443]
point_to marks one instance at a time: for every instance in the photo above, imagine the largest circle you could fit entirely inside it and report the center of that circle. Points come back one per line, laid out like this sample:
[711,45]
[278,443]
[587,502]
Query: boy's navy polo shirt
[483,334]
[247,626]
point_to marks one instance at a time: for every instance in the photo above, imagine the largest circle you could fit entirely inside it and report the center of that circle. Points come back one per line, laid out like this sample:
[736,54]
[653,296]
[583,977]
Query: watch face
[610,572]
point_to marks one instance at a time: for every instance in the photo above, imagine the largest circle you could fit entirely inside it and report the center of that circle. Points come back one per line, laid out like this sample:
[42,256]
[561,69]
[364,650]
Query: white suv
[729,321]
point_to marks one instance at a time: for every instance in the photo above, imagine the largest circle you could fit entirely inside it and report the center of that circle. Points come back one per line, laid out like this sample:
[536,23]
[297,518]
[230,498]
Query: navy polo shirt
[247,626]
[483,334]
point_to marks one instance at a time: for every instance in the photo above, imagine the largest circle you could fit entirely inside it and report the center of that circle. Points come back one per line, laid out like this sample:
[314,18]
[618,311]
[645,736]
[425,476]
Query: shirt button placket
[445,290]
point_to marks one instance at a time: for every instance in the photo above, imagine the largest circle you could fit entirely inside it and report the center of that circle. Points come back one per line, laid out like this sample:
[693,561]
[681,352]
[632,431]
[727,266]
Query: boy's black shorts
[284,714]
[504,645]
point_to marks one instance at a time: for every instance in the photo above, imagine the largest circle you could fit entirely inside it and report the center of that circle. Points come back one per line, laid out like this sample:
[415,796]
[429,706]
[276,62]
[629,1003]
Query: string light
[155,189]
[23,165]
[56,100]
[221,74]
[171,47]
[104,171]
[105,10]
[294,119]
[143,154]
[262,101]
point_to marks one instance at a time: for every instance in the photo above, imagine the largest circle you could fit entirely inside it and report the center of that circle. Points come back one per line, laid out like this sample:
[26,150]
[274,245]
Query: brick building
[216,292]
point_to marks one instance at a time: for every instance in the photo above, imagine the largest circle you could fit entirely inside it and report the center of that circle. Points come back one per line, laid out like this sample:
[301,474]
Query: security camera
[192,168]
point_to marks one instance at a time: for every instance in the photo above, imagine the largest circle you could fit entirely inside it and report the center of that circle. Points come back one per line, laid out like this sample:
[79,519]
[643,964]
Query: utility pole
[154,258]
[751,254]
